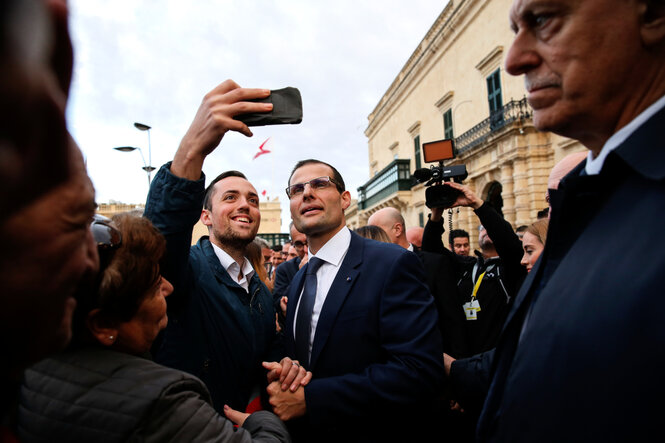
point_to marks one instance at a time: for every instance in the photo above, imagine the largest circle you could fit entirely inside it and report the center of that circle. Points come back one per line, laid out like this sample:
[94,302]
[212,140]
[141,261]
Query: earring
[111,337]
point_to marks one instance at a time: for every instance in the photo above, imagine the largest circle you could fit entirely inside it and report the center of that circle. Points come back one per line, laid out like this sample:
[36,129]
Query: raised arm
[214,119]
[176,195]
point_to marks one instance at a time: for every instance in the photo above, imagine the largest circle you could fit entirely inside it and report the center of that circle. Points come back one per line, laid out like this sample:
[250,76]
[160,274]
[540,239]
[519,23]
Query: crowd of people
[121,330]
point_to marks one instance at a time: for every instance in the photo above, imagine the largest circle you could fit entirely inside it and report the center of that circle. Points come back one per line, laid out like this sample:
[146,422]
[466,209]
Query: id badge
[470,311]
[476,305]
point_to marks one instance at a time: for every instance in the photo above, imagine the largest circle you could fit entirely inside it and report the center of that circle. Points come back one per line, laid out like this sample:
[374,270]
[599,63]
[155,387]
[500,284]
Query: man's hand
[286,404]
[468,198]
[282,304]
[288,373]
[447,363]
[213,119]
[236,417]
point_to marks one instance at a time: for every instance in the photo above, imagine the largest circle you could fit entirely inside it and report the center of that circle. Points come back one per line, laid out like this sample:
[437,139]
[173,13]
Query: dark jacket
[440,272]
[284,274]
[582,353]
[499,285]
[98,395]
[217,331]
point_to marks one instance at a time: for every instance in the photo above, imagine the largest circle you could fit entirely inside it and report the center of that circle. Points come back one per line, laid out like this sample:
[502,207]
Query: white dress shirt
[233,268]
[594,165]
[332,254]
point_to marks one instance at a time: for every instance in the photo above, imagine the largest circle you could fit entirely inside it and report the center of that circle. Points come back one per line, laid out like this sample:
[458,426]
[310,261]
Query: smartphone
[286,109]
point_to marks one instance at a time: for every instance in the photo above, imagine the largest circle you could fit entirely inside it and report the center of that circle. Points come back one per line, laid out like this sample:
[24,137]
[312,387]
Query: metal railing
[397,175]
[510,112]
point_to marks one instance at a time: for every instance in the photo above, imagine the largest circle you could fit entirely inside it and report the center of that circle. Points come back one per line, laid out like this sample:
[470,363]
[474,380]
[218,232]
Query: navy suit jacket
[283,276]
[376,357]
[588,365]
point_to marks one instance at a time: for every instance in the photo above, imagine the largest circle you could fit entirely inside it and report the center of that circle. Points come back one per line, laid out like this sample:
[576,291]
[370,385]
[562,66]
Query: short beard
[230,240]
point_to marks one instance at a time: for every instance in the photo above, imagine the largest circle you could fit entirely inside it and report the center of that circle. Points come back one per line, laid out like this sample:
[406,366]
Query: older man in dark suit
[583,349]
[362,320]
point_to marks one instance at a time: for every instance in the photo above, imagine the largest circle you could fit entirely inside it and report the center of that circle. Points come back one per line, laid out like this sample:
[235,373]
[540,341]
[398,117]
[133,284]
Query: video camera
[437,195]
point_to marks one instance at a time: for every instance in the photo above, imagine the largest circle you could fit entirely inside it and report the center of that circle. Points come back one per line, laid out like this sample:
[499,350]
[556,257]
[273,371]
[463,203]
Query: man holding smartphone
[221,316]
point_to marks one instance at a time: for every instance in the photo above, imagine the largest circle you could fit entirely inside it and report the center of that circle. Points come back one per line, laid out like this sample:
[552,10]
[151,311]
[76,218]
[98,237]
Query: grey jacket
[98,395]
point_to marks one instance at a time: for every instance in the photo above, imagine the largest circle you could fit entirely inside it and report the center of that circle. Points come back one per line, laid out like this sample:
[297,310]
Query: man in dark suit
[287,270]
[582,352]
[441,278]
[362,320]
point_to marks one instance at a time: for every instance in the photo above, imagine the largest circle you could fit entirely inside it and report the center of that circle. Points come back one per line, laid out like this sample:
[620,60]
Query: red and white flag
[262,149]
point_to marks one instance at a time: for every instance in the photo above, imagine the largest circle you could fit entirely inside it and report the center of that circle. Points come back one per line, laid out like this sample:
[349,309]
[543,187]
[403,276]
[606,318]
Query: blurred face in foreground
[49,253]
[584,64]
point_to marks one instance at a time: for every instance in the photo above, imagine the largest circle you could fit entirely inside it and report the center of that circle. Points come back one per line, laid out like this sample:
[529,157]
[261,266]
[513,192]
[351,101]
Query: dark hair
[207,198]
[455,233]
[521,228]
[337,177]
[276,248]
[373,232]
[130,275]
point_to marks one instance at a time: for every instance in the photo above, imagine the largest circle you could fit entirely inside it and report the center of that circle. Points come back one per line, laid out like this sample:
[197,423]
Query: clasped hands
[285,387]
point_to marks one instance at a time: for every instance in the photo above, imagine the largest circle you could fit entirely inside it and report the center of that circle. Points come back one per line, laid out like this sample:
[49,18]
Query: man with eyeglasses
[222,320]
[362,320]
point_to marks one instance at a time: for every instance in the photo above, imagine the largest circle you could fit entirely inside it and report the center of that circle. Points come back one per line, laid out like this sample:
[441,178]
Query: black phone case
[287,109]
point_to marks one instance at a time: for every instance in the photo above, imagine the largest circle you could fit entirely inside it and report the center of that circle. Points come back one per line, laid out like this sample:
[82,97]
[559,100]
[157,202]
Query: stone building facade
[454,86]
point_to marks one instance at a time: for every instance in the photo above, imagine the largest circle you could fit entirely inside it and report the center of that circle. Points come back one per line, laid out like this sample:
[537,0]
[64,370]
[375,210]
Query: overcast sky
[152,62]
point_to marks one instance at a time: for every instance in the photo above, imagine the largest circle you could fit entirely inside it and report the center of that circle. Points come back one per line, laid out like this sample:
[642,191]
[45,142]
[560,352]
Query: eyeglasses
[315,183]
[104,232]
[481,228]
[299,244]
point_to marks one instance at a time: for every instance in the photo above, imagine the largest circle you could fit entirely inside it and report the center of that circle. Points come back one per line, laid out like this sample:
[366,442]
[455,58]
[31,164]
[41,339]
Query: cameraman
[486,284]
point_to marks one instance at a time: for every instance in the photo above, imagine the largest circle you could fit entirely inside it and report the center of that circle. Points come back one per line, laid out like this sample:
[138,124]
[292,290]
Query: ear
[205,217]
[346,200]
[399,228]
[104,333]
[652,20]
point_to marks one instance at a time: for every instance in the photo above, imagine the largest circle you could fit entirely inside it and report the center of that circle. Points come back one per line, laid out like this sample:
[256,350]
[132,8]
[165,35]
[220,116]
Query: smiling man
[221,317]
[582,352]
[362,320]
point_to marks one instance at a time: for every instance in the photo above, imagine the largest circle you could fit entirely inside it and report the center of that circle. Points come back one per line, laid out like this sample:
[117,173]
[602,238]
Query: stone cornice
[451,22]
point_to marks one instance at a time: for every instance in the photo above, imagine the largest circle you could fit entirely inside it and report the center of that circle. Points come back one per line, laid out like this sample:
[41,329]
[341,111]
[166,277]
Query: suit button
[206,365]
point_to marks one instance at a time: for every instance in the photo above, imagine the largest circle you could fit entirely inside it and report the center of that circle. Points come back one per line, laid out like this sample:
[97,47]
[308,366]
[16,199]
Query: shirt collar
[594,165]
[335,249]
[230,265]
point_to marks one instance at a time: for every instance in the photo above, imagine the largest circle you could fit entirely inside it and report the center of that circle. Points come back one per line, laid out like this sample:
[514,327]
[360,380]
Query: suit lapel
[341,287]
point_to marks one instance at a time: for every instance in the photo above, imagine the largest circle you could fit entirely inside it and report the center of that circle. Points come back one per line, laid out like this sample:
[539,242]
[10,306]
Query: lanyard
[475,288]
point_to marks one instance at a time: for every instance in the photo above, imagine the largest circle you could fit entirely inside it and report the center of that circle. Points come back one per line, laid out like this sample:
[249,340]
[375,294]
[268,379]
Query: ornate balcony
[510,112]
[394,177]
[397,175]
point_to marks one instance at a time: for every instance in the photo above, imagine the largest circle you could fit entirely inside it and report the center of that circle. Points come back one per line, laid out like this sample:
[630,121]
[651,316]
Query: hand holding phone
[287,109]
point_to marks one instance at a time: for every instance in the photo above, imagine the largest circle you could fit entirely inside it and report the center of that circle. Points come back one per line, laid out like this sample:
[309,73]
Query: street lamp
[147,168]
